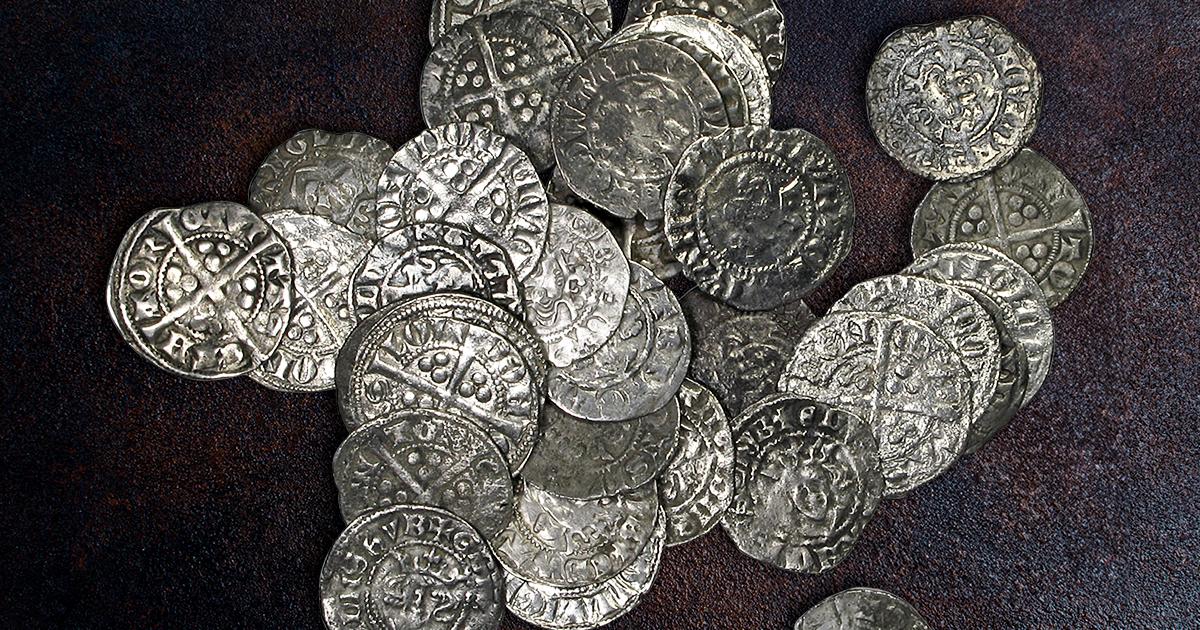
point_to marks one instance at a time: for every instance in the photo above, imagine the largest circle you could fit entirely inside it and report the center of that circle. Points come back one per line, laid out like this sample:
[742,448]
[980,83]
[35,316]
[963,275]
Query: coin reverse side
[696,486]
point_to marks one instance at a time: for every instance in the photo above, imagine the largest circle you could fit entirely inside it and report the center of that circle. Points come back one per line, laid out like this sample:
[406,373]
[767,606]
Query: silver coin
[202,291]
[447,352]
[465,175]
[503,70]
[410,567]
[1027,209]
[425,457]
[808,480]
[424,258]
[332,175]
[448,14]
[862,609]
[593,605]
[899,376]
[623,119]
[697,485]
[741,354]
[575,297]
[582,459]
[323,256]
[641,365]
[645,243]
[1010,383]
[955,99]
[1023,305]
[576,542]
[759,217]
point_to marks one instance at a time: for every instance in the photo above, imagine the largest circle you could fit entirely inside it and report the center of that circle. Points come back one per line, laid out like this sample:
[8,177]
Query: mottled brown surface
[133,498]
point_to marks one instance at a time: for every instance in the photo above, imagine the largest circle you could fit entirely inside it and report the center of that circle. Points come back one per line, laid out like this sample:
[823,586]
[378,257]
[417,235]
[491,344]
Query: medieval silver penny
[1010,383]
[862,609]
[644,242]
[448,14]
[696,486]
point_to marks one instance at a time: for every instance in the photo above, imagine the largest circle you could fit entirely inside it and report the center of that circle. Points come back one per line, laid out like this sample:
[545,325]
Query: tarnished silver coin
[1022,304]
[862,609]
[1010,384]
[466,175]
[759,217]
[432,257]
[324,255]
[593,605]
[425,457]
[808,480]
[697,485]
[641,365]
[448,14]
[741,354]
[1026,209]
[644,242]
[575,297]
[623,119]
[411,567]
[899,376]
[576,542]
[447,352]
[955,99]
[582,459]
[202,291]
[332,175]
[503,70]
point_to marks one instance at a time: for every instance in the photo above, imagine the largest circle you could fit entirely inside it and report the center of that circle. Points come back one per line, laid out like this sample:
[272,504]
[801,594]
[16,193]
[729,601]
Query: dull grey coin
[1026,209]
[324,255]
[696,486]
[741,354]
[1022,304]
[424,258]
[862,609]
[641,365]
[758,217]
[332,175]
[203,291]
[644,242]
[411,567]
[575,297]
[808,479]
[466,175]
[955,99]
[582,459]
[448,14]
[899,376]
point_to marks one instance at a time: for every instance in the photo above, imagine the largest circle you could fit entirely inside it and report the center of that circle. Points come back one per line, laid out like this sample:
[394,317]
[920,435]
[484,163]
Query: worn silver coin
[466,175]
[1026,209]
[448,14]
[696,486]
[332,175]
[759,217]
[411,567]
[862,609]
[1011,381]
[899,376]
[203,291]
[953,100]
[644,242]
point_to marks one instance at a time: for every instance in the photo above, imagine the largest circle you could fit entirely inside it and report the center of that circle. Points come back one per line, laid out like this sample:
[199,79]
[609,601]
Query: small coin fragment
[862,609]
[696,486]
[448,14]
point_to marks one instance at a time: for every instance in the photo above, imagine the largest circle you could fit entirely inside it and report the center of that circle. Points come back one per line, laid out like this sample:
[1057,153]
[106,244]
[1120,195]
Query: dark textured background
[133,498]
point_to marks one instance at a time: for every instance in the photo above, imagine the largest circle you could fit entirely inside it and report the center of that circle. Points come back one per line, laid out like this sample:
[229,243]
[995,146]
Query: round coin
[411,567]
[862,609]
[808,480]
[1027,209]
[203,291]
[447,14]
[955,99]
[696,486]
[758,217]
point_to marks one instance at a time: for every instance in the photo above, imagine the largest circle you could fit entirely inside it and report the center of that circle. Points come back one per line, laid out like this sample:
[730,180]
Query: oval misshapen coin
[862,609]
[899,376]
[409,567]
[955,99]
[425,457]
[645,243]
[324,255]
[332,175]
[696,486]
[466,175]
[575,297]
[758,217]
[1026,209]
[424,258]
[576,542]
[203,291]
[582,459]
[808,479]
[448,14]
[639,368]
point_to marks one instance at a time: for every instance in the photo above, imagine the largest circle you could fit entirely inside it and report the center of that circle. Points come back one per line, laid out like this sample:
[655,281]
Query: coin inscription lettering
[697,485]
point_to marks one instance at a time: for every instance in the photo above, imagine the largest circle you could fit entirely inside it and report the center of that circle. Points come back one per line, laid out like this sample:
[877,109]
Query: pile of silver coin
[533,414]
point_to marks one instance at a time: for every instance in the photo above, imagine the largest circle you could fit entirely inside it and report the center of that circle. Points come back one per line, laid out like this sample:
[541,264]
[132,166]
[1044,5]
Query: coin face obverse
[862,609]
